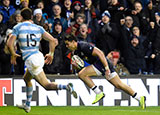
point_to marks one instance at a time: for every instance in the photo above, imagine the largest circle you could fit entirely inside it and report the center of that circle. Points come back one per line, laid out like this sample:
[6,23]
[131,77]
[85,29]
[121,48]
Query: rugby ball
[77,61]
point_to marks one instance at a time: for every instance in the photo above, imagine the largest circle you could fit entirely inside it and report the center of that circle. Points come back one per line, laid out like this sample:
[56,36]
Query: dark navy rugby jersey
[84,50]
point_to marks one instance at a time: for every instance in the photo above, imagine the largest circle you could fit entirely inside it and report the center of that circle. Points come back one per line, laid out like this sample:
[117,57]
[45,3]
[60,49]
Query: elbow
[55,41]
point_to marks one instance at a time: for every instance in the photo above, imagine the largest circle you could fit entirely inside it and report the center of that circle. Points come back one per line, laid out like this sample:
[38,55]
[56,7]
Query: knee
[81,75]
[26,81]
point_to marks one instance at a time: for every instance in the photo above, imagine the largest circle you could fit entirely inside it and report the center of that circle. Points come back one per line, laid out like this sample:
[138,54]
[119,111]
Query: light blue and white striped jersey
[28,36]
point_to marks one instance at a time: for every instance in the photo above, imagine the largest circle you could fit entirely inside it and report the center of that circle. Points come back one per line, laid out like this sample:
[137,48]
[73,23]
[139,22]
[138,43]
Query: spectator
[40,5]
[92,15]
[156,4]
[50,6]
[114,57]
[7,10]
[5,65]
[24,4]
[37,17]
[15,19]
[74,28]
[128,3]
[136,32]
[154,39]
[140,17]
[116,10]
[60,64]
[126,34]
[57,14]
[85,35]
[67,11]
[81,1]
[134,60]
[90,11]
[76,6]
[105,4]
[108,34]
[150,11]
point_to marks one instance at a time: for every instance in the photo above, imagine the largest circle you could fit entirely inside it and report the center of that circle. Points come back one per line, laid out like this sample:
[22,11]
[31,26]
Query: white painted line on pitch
[137,111]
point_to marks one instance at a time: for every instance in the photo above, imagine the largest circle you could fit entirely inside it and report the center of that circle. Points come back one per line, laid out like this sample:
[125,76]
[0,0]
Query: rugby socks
[29,95]
[60,86]
[96,89]
[136,96]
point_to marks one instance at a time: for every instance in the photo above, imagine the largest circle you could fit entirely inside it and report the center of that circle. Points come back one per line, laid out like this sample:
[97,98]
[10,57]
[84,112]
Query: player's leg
[84,75]
[29,88]
[42,79]
[115,80]
[29,91]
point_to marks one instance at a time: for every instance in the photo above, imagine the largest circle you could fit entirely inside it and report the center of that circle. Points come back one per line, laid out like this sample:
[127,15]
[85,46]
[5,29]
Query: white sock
[137,97]
[96,90]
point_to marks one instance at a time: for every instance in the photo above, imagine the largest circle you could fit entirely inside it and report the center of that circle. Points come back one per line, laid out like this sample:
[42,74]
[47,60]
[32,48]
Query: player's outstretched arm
[10,45]
[52,45]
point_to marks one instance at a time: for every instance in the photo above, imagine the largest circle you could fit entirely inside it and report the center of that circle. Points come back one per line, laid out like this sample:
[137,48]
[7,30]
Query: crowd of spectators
[128,31]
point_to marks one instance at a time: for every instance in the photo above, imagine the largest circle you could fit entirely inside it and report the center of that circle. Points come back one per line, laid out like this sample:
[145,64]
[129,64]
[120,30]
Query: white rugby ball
[78,61]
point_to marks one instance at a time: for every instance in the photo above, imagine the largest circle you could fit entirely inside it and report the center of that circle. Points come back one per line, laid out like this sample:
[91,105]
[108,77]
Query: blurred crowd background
[127,31]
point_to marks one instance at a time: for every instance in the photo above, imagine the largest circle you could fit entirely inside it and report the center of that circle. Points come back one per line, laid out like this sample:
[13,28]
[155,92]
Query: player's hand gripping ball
[77,62]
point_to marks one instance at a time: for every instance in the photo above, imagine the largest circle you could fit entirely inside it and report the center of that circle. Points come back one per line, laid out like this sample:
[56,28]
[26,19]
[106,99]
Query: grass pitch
[81,110]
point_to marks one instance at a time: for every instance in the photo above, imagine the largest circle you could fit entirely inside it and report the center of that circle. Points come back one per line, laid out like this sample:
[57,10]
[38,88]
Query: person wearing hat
[7,10]
[74,28]
[108,34]
[60,63]
[76,6]
[135,61]
[37,17]
[25,3]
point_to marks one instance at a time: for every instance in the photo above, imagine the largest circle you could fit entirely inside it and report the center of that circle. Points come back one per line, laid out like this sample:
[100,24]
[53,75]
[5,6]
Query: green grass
[81,110]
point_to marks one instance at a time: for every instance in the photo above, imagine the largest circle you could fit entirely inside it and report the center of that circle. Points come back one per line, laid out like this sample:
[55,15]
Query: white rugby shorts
[35,63]
[111,76]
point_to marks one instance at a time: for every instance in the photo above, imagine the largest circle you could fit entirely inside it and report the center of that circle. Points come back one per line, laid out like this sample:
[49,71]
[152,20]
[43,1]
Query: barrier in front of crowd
[12,91]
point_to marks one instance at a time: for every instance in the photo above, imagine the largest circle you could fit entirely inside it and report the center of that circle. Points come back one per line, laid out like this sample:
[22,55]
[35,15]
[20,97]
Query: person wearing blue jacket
[7,10]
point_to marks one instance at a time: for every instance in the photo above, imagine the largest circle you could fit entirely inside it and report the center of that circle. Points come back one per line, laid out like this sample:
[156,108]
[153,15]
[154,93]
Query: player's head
[71,42]
[26,13]
[70,37]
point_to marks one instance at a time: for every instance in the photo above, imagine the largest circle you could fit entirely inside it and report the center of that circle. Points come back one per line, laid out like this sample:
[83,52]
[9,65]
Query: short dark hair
[80,15]
[26,13]
[70,37]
